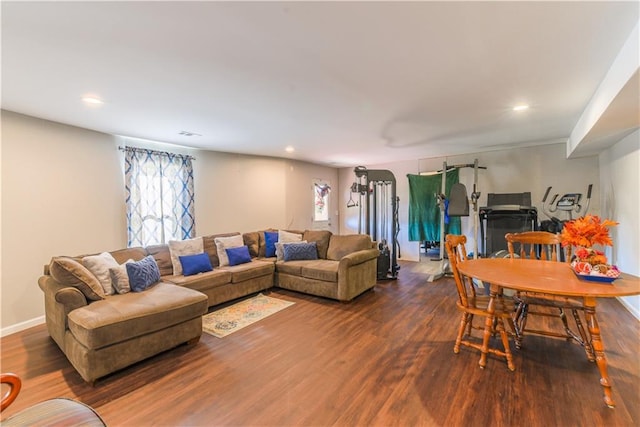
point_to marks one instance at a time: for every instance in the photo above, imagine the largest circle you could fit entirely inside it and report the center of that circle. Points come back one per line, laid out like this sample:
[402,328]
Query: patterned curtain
[160,200]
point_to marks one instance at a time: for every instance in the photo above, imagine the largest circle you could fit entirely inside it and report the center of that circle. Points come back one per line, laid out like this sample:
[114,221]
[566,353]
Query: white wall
[508,171]
[256,192]
[238,193]
[63,194]
[620,179]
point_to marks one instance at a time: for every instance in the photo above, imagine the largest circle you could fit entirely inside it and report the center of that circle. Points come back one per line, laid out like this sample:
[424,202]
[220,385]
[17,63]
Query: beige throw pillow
[224,243]
[120,278]
[179,248]
[99,265]
[288,237]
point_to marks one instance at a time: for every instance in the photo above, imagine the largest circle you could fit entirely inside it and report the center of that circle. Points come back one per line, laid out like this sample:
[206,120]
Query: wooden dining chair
[543,245]
[472,304]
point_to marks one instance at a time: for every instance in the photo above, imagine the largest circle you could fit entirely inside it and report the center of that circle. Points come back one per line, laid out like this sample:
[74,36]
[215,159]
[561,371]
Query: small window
[321,190]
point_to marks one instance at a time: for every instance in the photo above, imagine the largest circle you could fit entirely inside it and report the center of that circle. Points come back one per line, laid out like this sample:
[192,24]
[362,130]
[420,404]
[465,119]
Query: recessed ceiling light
[289,149]
[521,107]
[92,100]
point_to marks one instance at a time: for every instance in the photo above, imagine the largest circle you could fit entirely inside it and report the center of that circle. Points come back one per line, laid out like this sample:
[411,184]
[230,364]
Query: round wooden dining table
[555,278]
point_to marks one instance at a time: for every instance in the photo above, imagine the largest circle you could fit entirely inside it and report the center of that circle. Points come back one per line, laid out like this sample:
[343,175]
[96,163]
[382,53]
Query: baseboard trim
[633,310]
[21,326]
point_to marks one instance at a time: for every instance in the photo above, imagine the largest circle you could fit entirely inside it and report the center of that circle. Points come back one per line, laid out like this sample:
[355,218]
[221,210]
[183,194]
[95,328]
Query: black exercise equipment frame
[380,176]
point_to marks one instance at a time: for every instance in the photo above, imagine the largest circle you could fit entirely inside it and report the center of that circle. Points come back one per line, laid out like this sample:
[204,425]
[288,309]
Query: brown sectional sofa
[104,335]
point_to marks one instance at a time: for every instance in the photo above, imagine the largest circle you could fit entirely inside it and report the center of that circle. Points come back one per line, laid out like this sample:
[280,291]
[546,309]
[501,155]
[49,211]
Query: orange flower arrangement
[587,231]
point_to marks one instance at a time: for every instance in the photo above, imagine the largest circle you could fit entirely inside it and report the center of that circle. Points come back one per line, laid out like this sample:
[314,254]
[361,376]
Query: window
[160,199]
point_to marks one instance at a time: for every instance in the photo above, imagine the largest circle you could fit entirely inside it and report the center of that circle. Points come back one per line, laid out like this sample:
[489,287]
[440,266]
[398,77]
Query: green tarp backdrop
[424,212]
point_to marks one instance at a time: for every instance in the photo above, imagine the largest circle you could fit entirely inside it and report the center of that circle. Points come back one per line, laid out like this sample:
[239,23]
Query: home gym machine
[379,215]
[568,203]
[456,205]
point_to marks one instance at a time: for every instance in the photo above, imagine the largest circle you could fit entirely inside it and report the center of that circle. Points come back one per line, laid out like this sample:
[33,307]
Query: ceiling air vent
[187,133]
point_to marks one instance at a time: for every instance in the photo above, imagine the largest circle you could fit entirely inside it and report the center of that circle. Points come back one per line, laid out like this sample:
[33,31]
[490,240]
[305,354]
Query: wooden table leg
[488,326]
[598,348]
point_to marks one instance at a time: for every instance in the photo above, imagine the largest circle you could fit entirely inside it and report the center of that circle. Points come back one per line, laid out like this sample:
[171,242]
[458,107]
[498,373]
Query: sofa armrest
[59,301]
[356,273]
[359,257]
[71,298]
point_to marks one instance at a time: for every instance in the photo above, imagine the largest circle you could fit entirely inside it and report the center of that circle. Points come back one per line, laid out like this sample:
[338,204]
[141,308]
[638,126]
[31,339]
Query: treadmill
[505,213]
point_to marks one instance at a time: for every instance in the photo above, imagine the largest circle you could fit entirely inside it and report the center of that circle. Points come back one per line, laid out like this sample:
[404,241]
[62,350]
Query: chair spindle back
[456,252]
[526,245]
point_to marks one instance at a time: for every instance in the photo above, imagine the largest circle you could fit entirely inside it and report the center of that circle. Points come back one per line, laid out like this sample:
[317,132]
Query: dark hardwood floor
[384,359]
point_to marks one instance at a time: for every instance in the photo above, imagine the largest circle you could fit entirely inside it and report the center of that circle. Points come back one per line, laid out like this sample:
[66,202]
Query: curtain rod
[163,153]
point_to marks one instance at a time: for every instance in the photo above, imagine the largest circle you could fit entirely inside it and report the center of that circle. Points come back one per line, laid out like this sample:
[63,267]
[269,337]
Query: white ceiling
[345,83]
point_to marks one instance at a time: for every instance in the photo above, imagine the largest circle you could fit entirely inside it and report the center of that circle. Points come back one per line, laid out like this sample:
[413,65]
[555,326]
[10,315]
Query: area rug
[225,321]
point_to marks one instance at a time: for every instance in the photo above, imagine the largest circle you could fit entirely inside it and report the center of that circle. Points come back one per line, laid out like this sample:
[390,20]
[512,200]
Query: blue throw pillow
[194,264]
[270,239]
[300,251]
[239,255]
[143,273]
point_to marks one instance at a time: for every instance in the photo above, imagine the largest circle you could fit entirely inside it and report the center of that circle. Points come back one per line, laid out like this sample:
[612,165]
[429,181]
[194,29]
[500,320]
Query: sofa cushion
[339,246]
[69,271]
[135,253]
[203,281]
[99,266]
[142,274]
[252,241]
[239,255]
[210,247]
[290,267]
[224,243]
[250,270]
[162,255]
[122,317]
[300,251]
[321,237]
[194,264]
[322,269]
[184,247]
